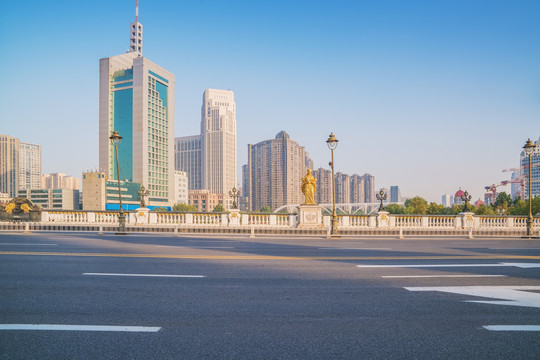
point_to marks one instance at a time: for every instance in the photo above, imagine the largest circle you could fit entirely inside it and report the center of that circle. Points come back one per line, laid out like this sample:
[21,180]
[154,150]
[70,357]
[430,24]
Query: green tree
[395,209]
[218,208]
[484,210]
[522,208]
[160,209]
[416,205]
[434,208]
[502,199]
[265,209]
[184,208]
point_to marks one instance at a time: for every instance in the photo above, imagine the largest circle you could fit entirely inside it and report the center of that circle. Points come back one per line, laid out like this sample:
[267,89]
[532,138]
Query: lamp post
[332,143]
[529,148]
[115,139]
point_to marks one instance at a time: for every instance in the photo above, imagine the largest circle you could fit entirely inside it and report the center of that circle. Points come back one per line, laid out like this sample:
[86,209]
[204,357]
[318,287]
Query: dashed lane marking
[51,327]
[144,275]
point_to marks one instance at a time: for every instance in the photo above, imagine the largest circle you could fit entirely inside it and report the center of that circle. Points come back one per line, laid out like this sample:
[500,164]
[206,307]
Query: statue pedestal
[142,216]
[234,217]
[310,217]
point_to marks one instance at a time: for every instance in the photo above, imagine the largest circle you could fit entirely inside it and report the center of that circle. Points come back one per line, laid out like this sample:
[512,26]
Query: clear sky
[428,95]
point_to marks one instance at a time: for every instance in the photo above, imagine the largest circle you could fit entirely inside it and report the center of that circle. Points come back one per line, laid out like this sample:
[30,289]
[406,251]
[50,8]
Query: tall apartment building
[136,98]
[9,165]
[218,141]
[535,171]
[369,188]
[358,194]
[353,189]
[188,158]
[59,181]
[323,190]
[276,168]
[29,166]
[343,188]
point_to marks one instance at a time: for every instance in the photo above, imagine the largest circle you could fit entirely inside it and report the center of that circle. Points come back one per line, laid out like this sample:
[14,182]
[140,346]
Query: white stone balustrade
[381,220]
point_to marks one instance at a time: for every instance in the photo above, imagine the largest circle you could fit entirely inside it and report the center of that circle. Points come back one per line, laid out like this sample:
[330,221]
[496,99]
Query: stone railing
[381,222]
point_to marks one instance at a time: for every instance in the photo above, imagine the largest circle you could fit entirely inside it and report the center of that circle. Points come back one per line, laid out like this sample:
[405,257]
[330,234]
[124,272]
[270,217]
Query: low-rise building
[52,199]
[204,200]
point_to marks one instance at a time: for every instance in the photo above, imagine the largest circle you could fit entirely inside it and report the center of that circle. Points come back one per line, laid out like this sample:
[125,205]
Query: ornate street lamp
[381,196]
[116,139]
[529,149]
[332,143]
[143,192]
[234,194]
[466,197]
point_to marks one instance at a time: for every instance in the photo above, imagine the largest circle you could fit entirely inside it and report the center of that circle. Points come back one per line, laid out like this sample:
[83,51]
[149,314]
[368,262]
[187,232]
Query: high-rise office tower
[188,158]
[9,165]
[29,166]
[218,141]
[136,98]
[276,168]
[395,194]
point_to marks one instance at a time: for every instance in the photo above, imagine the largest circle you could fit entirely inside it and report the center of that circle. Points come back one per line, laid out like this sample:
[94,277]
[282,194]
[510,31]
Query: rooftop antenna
[137,11]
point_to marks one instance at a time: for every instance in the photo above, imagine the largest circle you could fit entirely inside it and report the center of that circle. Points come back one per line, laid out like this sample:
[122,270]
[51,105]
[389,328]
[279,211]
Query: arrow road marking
[512,295]
[520,265]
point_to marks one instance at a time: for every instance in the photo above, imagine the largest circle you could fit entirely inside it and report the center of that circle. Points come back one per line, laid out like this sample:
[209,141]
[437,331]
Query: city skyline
[430,97]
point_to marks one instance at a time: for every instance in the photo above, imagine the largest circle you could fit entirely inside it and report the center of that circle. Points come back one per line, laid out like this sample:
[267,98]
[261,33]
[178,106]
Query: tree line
[503,205]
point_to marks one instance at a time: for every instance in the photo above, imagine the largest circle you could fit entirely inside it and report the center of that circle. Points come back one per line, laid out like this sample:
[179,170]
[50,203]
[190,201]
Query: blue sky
[427,95]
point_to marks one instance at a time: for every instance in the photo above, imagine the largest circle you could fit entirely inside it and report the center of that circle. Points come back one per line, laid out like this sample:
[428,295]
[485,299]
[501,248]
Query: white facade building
[180,187]
[29,166]
[218,135]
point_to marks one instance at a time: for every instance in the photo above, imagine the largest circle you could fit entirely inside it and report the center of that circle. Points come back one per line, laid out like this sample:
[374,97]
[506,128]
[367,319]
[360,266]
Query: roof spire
[135,37]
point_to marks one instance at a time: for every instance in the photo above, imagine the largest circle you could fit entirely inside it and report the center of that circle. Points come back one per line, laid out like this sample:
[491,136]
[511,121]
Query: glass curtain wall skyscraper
[136,98]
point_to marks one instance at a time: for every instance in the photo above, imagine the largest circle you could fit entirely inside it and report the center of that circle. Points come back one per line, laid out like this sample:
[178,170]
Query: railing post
[44,216]
[382,219]
[273,220]
[292,220]
[189,219]
[224,219]
[91,217]
[372,222]
[345,221]
[424,222]
[152,219]
[509,222]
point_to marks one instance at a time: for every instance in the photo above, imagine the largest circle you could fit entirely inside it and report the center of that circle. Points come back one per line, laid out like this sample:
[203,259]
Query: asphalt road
[156,297]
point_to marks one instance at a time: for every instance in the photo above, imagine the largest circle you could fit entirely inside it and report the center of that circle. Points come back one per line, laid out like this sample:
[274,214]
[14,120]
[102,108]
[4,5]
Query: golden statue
[309,184]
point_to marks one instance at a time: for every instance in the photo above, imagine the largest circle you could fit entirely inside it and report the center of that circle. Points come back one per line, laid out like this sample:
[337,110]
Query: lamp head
[115,138]
[529,147]
[332,141]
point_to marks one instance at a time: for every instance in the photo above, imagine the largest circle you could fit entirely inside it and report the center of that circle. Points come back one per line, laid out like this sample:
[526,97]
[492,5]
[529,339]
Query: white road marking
[329,248]
[145,275]
[514,295]
[438,276]
[512,327]
[520,265]
[513,248]
[50,327]
[19,244]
